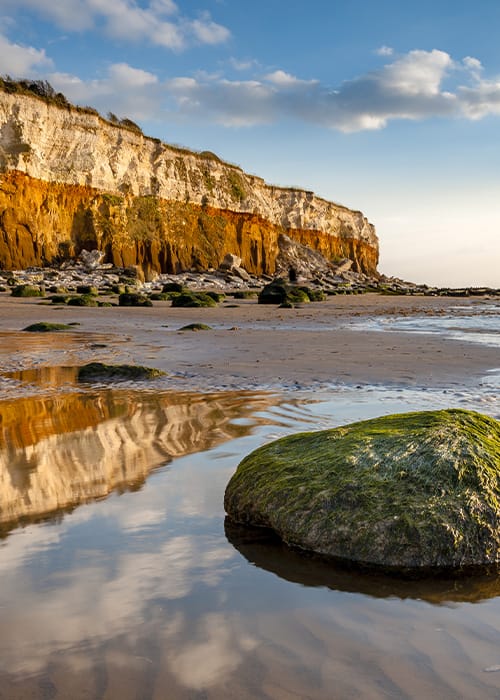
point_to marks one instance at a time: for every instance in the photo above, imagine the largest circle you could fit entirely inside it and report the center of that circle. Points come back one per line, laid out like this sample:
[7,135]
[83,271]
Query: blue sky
[389,107]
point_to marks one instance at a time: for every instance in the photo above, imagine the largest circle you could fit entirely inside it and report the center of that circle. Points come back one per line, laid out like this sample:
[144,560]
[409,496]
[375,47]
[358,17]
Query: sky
[388,107]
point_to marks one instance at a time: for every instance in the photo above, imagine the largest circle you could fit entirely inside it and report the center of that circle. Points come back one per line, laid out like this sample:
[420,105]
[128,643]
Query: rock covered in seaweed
[46,327]
[98,372]
[407,491]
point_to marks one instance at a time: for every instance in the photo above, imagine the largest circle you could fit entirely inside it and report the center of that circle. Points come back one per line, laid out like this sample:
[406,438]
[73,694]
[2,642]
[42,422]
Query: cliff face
[71,180]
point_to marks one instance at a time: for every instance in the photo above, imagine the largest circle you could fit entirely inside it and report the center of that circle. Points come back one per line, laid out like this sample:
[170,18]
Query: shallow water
[121,579]
[479,324]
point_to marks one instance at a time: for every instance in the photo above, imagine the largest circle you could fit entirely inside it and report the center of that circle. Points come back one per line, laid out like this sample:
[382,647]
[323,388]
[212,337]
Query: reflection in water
[142,595]
[59,451]
[264,549]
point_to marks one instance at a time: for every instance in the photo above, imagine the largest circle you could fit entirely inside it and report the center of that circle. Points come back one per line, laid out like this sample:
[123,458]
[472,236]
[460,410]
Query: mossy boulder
[315,294]
[133,299]
[27,290]
[410,491]
[46,327]
[160,296]
[83,300]
[173,287]
[60,298]
[193,300]
[196,327]
[244,294]
[87,289]
[117,289]
[216,296]
[98,372]
[280,292]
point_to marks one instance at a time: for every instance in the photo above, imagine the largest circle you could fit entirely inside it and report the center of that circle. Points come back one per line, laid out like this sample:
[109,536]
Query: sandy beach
[259,346]
[121,577]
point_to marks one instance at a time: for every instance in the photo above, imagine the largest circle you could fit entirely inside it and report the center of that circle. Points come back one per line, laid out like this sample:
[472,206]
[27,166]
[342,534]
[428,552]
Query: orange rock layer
[46,222]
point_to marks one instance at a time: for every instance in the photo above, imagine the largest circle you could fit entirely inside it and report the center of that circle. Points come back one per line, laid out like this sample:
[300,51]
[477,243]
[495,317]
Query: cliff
[71,180]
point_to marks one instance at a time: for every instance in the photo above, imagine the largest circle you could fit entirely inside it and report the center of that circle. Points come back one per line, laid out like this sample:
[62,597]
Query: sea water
[121,578]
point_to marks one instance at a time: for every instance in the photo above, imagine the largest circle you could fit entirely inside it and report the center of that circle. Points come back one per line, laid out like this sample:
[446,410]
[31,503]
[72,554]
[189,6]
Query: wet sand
[147,594]
[259,346]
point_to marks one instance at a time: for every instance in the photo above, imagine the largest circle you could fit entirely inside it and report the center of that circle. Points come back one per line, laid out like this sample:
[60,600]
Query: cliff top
[42,90]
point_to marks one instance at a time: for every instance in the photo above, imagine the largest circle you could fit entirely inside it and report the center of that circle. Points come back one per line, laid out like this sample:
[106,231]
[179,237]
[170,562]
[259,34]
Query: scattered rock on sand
[280,292]
[46,327]
[91,259]
[409,491]
[98,372]
[83,300]
[133,299]
[196,327]
[27,290]
[232,266]
[193,299]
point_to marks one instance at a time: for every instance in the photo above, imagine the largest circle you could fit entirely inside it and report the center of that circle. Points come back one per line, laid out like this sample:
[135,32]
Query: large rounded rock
[410,491]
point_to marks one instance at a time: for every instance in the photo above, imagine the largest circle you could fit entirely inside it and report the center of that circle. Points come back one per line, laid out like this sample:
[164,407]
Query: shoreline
[256,346]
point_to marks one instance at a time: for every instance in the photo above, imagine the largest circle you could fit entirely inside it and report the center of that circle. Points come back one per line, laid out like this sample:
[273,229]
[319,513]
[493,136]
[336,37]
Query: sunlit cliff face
[70,180]
[59,451]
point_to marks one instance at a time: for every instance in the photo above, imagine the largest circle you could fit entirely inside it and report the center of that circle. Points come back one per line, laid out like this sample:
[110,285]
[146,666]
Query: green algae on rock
[193,300]
[134,299]
[46,327]
[83,300]
[410,491]
[27,290]
[196,327]
[280,292]
[98,372]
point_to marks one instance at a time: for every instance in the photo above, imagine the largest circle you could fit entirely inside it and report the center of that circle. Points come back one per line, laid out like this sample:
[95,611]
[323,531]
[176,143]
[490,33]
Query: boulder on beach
[410,491]
[191,299]
[27,290]
[280,292]
[231,265]
[46,327]
[99,372]
[133,299]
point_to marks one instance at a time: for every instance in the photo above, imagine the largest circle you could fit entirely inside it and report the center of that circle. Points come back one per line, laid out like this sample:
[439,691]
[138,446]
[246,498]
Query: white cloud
[410,87]
[209,32]
[242,65]
[472,64]
[417,73]
[123,74]
[126,20]
[75,15]
[21,61]
[481,100]
[165,7]
[384,51]
[418,85]
[125,90]
[283,79]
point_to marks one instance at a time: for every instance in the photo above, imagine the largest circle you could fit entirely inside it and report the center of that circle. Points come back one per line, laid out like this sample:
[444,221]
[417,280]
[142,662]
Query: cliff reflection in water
[61,450]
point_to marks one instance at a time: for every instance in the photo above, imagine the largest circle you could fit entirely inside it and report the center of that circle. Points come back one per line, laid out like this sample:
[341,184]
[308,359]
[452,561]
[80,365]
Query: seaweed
[415,490]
